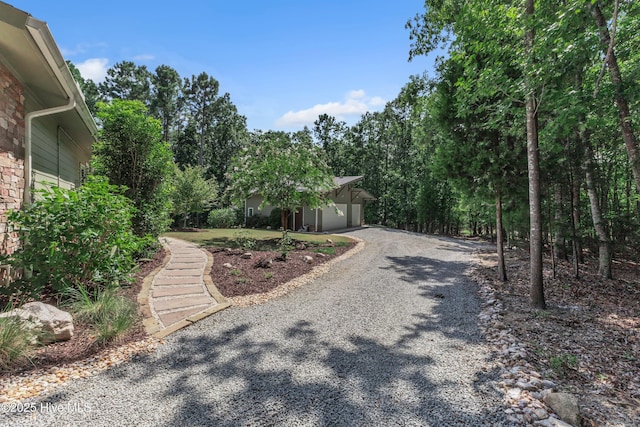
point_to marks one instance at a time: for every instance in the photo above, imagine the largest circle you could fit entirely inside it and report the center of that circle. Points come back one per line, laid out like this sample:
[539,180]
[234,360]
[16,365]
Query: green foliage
[223,218]
[259,221]
[285,244]
[287,170]
[244,240]
[275,218]
[562,364]
[328,250]
[16,341]
[131,153]
[108,314]
[192,193]
[128,81]
[74,237]
[165,97]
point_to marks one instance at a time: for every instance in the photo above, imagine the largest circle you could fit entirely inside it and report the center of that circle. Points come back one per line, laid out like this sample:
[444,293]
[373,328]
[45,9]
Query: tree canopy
[287,170]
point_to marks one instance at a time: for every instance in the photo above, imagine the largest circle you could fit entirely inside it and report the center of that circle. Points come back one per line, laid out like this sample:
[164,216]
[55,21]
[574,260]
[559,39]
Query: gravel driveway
[387,337]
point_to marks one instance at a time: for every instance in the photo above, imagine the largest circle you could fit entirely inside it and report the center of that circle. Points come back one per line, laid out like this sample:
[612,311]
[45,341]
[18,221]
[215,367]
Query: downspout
[316,228]
[34,27]
[27,142]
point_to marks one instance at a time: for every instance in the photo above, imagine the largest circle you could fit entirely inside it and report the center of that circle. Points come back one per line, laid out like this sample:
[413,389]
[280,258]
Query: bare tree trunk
[559,240]
[604,243]
[533,163]
[502,270]
[575,216]
[628,136]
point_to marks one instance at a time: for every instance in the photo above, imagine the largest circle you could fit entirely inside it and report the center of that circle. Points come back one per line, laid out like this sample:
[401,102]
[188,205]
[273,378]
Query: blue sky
[283,62]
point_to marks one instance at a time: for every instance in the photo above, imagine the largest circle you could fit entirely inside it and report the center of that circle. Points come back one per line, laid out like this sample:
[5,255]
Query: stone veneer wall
[11,154]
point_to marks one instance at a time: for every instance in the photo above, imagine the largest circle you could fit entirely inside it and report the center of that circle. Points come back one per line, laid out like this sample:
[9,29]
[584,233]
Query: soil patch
[83,345]
[588,339]
[236,274]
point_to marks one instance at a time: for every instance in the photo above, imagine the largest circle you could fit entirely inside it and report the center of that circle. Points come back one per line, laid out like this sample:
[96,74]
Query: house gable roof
[29,51]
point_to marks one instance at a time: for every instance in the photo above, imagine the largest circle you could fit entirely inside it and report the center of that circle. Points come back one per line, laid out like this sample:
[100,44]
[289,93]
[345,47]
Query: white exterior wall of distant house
[326,218]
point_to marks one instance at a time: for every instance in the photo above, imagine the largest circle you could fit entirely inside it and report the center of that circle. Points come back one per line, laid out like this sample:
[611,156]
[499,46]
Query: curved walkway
[181,292]
[387,337]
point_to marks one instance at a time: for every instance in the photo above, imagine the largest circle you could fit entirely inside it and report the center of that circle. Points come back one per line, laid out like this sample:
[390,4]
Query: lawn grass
[222,237]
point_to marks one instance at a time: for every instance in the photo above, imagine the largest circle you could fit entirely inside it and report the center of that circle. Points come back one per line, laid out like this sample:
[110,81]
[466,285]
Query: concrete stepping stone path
[182,291]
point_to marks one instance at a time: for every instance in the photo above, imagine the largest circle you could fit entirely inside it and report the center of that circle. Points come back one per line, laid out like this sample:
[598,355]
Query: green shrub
[243,239]
[108,314]
[16,341]
[74,237]
[222,218]
[275,219]
[327,250]
[257,221]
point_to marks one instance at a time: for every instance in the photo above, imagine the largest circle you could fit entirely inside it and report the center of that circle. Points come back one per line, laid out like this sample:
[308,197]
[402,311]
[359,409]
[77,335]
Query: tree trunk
[283,219]
[502,270]
[628,136]
[575,243]
[604,244]
[559,239]
[533,166]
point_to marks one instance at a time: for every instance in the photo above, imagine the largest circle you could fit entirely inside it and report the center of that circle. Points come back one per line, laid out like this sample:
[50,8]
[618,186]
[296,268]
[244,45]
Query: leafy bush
[257,221]
[131,152]
[16,340]
[74,237]
[108,314]
[244,240]
[222,218]
[275,219]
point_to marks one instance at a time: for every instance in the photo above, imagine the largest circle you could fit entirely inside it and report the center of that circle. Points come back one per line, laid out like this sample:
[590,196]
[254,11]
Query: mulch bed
[82,345]
[245,278]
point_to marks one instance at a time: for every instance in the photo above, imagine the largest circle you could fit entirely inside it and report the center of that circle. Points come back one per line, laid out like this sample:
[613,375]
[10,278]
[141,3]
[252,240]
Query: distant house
[348,210]
[46,129]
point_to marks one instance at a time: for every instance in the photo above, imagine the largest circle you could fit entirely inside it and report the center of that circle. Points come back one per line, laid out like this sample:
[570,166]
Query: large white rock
[57,325]
[565,405]
[27,320]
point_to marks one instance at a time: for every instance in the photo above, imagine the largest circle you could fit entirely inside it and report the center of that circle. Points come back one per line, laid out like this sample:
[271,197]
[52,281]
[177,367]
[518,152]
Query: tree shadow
[299,377]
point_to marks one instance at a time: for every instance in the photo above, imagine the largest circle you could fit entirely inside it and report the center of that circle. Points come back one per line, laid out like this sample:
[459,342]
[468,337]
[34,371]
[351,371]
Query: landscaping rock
[27,320]
[247,255]
[57,325]
[329,241]
[264,263]
[308,259]
[227,265]
[301,246]
[321,255]
[565,405]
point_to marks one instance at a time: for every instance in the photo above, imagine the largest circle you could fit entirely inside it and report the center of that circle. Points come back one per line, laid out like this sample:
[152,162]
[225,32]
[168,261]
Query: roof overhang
[347,180]
[29,51]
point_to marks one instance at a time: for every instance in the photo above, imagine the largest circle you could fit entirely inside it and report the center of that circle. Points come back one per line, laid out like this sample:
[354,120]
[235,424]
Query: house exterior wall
[346,199]
[253,203]
[56,158]
[12,132]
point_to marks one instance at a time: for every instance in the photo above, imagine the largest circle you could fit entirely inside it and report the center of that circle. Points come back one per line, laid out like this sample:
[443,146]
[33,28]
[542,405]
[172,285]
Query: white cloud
[94,69]
[144,57]
[376,101]
[356,94]
[81,48]
[356,103]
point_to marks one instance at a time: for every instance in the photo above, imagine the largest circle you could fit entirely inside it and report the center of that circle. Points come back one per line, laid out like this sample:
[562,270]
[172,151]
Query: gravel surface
[387,337]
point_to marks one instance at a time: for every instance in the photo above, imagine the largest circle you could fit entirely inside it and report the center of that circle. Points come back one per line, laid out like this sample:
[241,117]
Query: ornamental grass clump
[16,342]
[108,314]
